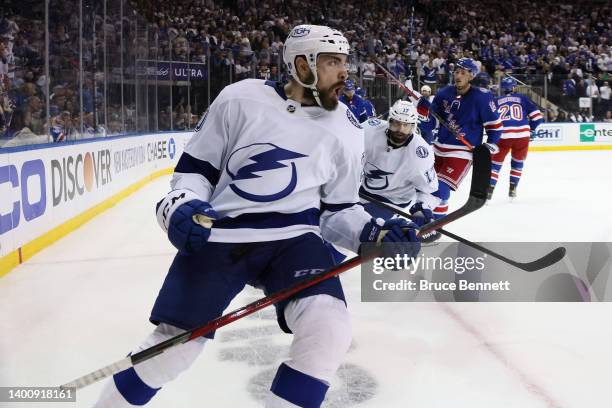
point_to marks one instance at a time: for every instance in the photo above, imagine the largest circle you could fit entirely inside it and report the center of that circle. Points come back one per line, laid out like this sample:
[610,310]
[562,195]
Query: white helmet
[425,88]
[310,41]
[404,111]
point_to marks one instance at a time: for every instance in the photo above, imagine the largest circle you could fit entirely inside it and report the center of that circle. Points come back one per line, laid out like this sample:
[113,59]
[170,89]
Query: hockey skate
[512,191]
[490,192]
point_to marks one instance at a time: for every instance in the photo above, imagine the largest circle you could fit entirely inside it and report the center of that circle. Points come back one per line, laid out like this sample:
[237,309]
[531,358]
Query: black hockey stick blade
[549,259]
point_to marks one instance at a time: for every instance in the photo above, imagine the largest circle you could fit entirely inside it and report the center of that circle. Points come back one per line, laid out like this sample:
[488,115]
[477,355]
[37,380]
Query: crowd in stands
[569,44]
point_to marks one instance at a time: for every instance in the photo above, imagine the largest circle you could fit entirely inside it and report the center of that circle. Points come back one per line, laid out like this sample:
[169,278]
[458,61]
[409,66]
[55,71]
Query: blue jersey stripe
[381,198]
[335,207]
[189,164]
[269,220]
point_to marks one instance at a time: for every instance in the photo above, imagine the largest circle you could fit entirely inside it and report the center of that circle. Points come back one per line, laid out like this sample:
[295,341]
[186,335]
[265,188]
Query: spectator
[34,117]
[429,73]
[604,93]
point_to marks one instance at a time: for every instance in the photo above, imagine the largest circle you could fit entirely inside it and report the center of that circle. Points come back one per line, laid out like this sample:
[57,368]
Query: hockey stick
[478,197]
[417,96]
[547,260]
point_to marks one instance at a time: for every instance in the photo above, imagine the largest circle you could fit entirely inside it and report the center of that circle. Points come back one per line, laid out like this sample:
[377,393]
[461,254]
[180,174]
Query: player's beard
[328,97]
[397,138]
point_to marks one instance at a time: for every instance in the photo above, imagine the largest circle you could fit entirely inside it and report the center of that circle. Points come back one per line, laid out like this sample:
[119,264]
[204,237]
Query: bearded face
[329,96]
[399,132]
[331,74]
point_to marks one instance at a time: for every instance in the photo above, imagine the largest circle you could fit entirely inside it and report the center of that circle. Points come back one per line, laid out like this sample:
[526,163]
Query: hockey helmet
[508,83]
[467,64]
[404,112]
[310,41]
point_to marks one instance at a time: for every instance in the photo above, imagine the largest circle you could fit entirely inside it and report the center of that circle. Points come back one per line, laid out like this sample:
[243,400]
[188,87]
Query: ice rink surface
[84,302]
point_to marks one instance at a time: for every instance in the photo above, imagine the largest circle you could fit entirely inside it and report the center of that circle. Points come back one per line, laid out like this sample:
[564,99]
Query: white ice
[84,302]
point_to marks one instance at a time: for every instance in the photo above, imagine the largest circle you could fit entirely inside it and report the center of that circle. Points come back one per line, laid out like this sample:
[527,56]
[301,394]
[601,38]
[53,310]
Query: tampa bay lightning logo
[375,178]
[257,172]
[422,152]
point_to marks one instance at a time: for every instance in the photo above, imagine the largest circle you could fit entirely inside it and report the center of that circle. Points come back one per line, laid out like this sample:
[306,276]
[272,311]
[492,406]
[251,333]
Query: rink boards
[49,190]
[572,136]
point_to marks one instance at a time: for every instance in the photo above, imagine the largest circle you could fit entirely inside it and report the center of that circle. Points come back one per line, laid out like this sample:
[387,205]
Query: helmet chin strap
[313,86]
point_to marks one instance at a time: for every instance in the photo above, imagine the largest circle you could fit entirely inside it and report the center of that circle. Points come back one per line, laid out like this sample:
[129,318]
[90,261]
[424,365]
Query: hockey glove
[532,135]
[422,107]
[421,215]
[186,219]
[493,148]
[398,235]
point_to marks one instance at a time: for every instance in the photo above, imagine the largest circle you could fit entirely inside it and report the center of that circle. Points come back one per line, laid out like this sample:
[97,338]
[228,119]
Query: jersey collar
[278,87]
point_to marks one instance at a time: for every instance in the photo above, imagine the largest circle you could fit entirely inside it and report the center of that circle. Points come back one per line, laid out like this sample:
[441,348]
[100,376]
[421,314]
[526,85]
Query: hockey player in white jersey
[275,169]
[399,165]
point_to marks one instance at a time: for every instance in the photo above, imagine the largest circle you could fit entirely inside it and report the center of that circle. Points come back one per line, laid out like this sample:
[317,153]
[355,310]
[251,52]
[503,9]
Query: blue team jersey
[519,115]
[357,106]
[470,114]
[370,111]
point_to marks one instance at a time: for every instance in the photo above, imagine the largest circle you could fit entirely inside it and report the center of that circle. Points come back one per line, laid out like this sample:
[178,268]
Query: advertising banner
[43,188]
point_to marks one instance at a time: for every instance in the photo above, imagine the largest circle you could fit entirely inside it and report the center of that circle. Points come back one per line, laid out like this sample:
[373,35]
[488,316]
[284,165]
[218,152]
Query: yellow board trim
[11,260]
[566,148]
[28,250]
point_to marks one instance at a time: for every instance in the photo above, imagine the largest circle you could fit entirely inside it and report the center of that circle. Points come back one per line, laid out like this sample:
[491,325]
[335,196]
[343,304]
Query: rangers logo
[422,152]
[352,119]
[374,122]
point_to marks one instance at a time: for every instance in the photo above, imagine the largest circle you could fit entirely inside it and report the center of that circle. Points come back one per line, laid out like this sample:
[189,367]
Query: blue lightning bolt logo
[265,161]
[374,173]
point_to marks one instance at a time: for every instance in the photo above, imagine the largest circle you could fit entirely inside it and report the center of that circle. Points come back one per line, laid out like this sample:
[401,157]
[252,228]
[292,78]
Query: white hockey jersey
[402,176]
[273,169]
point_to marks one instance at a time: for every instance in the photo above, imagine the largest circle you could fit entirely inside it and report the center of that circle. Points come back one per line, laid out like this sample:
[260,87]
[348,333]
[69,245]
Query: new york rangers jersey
[357,105]
[273,169]
[519,115]
[470,114]
[402,176]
